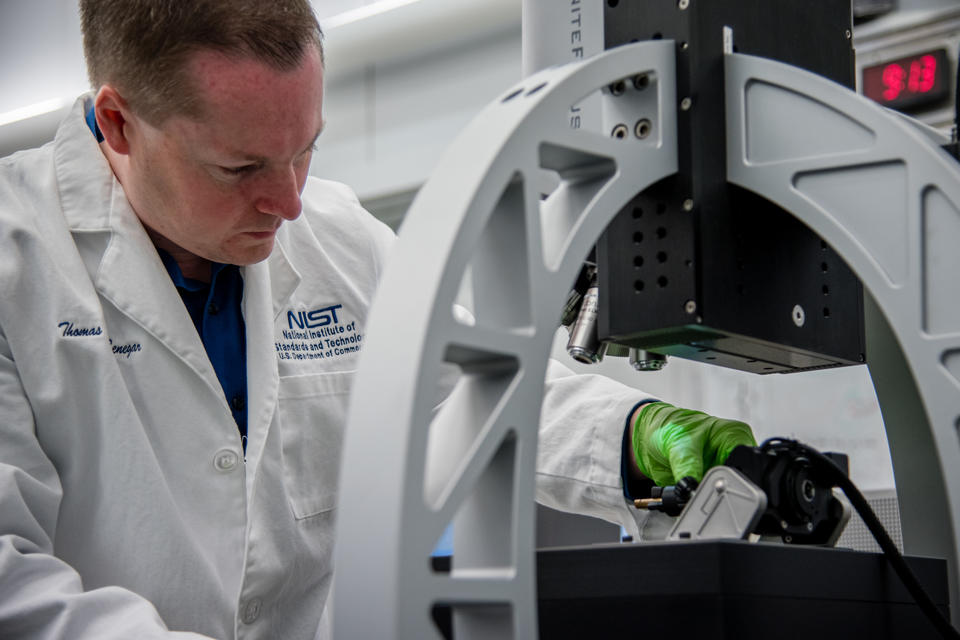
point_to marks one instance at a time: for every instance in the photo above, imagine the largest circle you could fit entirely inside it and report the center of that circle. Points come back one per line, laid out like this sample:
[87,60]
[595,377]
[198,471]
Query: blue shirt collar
[92,123]
[180,280]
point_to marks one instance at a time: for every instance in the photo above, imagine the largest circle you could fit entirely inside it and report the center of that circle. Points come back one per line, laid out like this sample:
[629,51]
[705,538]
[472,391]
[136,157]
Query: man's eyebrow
[262,160]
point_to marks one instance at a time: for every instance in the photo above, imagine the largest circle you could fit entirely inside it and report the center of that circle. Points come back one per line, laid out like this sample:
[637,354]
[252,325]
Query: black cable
[840,479]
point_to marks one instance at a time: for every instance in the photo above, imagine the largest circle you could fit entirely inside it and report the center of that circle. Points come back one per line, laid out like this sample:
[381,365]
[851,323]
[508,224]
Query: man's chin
[251,254]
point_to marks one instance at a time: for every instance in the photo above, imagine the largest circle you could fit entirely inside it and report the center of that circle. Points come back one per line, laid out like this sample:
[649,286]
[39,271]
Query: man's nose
[280,196]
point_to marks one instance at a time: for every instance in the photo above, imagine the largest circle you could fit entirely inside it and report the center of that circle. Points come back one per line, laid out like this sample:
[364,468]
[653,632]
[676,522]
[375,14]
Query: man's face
[220,185]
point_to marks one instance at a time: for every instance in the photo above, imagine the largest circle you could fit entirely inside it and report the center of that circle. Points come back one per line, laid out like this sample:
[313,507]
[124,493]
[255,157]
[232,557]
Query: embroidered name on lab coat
[70,331]
[125,349]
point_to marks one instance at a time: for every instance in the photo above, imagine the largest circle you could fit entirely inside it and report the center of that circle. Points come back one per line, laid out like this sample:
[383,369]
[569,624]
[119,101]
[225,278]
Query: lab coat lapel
[133,278]
[266,288]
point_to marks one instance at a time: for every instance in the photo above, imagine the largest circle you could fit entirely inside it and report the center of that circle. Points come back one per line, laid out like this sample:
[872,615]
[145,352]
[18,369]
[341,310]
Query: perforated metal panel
[856,536]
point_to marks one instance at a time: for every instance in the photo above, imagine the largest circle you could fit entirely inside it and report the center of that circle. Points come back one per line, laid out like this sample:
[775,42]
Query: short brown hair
[142,46]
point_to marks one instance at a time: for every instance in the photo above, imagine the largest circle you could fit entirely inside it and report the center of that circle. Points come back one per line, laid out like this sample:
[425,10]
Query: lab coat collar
[274,279]
[284,278]
[262,380]
[84,176]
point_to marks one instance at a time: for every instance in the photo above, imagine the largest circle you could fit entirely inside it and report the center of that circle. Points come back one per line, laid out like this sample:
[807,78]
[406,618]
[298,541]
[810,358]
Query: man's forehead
[240,98]
[216,74]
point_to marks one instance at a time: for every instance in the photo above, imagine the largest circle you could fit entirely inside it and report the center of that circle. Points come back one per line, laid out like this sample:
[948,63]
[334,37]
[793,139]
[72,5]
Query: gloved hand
[670,443]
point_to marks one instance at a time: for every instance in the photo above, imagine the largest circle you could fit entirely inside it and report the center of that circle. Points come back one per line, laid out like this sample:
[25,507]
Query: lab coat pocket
[313,413]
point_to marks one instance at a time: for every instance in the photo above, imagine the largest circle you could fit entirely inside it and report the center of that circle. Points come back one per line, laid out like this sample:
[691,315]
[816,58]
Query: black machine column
[699,269]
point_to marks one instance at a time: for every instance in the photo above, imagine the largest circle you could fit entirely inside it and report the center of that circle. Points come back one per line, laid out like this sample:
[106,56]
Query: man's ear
[114,118]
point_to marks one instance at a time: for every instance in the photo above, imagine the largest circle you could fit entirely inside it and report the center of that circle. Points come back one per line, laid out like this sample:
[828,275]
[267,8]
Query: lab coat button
[213,309]
[251,611]
[225,460]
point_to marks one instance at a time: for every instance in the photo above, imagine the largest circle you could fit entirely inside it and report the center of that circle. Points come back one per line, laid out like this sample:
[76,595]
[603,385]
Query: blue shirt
[215,309]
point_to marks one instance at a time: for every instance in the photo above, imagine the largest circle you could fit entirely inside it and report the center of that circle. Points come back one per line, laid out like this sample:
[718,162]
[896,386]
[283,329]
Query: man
[168,461]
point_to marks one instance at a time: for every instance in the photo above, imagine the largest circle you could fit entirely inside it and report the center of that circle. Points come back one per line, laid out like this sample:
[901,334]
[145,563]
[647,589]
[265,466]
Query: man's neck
[191,266]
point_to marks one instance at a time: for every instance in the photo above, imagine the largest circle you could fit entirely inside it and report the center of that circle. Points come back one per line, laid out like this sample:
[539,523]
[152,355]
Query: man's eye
[238,171]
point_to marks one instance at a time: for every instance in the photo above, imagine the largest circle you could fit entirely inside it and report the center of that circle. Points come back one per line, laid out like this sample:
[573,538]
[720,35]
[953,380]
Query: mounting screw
[683,4]
[688,204]
[617,88]
[685,104]
[620,131]
[642,128]
[848,33]
[640,81]
[799,317]
[690,307]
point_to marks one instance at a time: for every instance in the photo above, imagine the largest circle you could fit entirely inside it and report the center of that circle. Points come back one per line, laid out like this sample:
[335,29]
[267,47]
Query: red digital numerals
[921,77]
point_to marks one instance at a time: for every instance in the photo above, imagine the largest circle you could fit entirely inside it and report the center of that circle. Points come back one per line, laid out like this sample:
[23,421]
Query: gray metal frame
[877,189]
[886,197]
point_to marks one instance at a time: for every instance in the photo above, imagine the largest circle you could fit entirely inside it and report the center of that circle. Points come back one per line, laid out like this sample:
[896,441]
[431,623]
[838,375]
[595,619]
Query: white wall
[41,52]
[388,122]
[42,65]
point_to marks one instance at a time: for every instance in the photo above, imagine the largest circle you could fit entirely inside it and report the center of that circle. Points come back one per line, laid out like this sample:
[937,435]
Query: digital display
[909,84]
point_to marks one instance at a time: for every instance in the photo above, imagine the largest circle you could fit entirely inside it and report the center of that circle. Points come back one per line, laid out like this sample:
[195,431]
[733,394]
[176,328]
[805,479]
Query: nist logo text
[313,319]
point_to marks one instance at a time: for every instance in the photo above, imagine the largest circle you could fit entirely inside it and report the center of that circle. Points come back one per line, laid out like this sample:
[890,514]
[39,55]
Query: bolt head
[683,4]
[685,104]
[690,307]
[798,315]
[642,128]
[688,204]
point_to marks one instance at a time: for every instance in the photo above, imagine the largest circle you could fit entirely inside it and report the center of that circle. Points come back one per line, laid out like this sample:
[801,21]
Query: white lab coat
[126,507]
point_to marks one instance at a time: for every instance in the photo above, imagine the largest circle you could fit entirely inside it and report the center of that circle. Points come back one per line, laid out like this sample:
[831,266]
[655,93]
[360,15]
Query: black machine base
[726,590]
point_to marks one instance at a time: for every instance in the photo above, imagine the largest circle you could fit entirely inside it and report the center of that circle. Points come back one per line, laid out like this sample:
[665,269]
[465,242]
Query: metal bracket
[726,505]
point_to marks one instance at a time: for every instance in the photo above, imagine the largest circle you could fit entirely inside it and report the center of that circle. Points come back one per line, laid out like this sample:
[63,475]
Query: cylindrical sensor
[643,360]
[584,345]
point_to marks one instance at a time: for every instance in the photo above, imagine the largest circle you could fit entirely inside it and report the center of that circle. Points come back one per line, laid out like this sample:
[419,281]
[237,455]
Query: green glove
[670,443]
